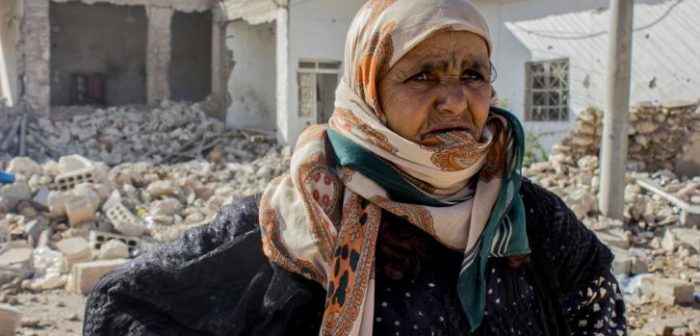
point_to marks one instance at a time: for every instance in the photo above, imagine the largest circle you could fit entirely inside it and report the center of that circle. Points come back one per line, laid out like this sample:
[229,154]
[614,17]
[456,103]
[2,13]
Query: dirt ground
[51,313]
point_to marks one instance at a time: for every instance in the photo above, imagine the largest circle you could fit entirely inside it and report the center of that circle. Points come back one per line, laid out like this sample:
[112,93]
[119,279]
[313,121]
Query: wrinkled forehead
[394,27]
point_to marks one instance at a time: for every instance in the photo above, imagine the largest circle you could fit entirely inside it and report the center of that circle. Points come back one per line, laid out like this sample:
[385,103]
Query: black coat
[215,280]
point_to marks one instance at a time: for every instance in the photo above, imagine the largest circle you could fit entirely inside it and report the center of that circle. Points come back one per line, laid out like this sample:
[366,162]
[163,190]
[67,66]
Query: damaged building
[109,52]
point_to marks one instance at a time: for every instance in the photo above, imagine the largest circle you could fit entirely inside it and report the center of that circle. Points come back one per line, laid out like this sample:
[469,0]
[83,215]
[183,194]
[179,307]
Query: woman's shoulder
[558,239]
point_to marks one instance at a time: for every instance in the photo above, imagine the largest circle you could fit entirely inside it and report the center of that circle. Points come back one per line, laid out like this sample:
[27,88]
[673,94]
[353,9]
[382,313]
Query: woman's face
[443,84]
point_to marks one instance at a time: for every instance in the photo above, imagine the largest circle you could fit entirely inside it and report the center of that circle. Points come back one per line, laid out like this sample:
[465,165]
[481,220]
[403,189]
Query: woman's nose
[452,98]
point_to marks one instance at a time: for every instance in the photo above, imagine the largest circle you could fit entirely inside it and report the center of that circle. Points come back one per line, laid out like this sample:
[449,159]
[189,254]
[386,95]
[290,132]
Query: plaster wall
[252,83]
[9,54]
[664,48]
[99,38]
[191,58]
[317,30]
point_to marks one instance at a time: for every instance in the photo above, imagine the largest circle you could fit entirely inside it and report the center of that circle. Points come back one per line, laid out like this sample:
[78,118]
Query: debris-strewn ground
[102,188]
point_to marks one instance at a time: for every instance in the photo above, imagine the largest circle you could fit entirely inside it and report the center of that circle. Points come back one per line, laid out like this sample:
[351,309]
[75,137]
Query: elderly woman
[405,215]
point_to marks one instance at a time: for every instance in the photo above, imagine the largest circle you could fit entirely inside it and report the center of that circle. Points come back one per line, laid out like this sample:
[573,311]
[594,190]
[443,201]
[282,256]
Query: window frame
[562,90]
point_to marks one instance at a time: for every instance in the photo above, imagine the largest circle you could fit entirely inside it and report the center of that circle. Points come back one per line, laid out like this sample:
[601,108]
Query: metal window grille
[547,90]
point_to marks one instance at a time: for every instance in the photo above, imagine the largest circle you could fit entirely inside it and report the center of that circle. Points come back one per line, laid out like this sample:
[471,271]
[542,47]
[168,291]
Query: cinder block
[69,180]
[9,319]
[668,291]
[80,210]
[86,274]
[97,238]
[125,221]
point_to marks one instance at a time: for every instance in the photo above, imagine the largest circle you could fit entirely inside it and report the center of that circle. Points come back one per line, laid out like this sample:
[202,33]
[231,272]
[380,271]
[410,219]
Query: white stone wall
[252,83]
[665,49]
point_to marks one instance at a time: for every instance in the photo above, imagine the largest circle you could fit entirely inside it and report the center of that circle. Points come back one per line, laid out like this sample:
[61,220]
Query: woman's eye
[420,77]
[472,76]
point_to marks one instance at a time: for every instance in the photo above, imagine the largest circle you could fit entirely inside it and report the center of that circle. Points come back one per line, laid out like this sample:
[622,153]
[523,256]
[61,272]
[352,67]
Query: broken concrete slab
[614,237]
[667,291]
[681,237]
[80,210]
[86,274]
[9,319]
[113,249]
[75,249]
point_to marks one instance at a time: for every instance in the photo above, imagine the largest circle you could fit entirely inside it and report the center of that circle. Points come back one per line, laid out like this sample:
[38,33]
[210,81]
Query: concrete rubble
[657,246]
[99,189]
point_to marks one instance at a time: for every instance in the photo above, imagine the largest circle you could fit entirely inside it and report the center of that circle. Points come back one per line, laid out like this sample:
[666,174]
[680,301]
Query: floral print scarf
[322,219]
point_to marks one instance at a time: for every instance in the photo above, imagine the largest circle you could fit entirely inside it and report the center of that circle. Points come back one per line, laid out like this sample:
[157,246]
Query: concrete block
[9,320]
[677,237]
[114,249]
[124,221]
[622,264]
[668,291]
[97,238]
[80,210]
[73,163]
[57,203]
[69,180]
[74,250]
[85,275]
[614,238]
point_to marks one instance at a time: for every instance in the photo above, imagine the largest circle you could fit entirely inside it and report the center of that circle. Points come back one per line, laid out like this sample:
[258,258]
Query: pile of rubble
[657,246]
[172,133]
[657,135]
[63,224]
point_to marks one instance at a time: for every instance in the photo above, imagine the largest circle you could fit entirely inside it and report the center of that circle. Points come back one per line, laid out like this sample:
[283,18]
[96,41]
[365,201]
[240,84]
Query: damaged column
[158,55]
[36,42]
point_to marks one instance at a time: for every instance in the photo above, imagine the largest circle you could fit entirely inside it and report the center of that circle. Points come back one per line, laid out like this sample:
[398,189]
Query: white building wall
[317,30]
[665,49]
[252,82]
[9,42]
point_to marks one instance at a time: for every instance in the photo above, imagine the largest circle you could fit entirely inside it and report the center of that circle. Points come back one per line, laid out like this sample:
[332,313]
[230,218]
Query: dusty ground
[51,313]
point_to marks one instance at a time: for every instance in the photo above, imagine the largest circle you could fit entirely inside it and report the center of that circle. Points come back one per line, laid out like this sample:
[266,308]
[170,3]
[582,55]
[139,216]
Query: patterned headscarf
[322,219]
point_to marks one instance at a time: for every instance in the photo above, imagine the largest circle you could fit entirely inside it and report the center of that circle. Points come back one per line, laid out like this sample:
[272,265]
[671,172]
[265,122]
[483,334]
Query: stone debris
[657,245]
[9,319]
[84,275]
[108,186]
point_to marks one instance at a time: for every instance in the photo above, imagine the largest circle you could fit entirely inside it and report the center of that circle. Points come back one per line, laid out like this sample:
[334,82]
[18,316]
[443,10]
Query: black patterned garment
[215,280]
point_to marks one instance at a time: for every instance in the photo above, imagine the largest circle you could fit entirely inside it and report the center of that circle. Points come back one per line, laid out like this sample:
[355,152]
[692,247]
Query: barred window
[547,90]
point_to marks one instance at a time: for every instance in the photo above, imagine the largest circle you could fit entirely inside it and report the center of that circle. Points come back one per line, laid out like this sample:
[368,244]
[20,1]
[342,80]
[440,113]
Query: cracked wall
[253,78]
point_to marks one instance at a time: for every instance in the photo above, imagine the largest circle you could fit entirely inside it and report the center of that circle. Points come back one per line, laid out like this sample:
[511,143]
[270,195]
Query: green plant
[534,150]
